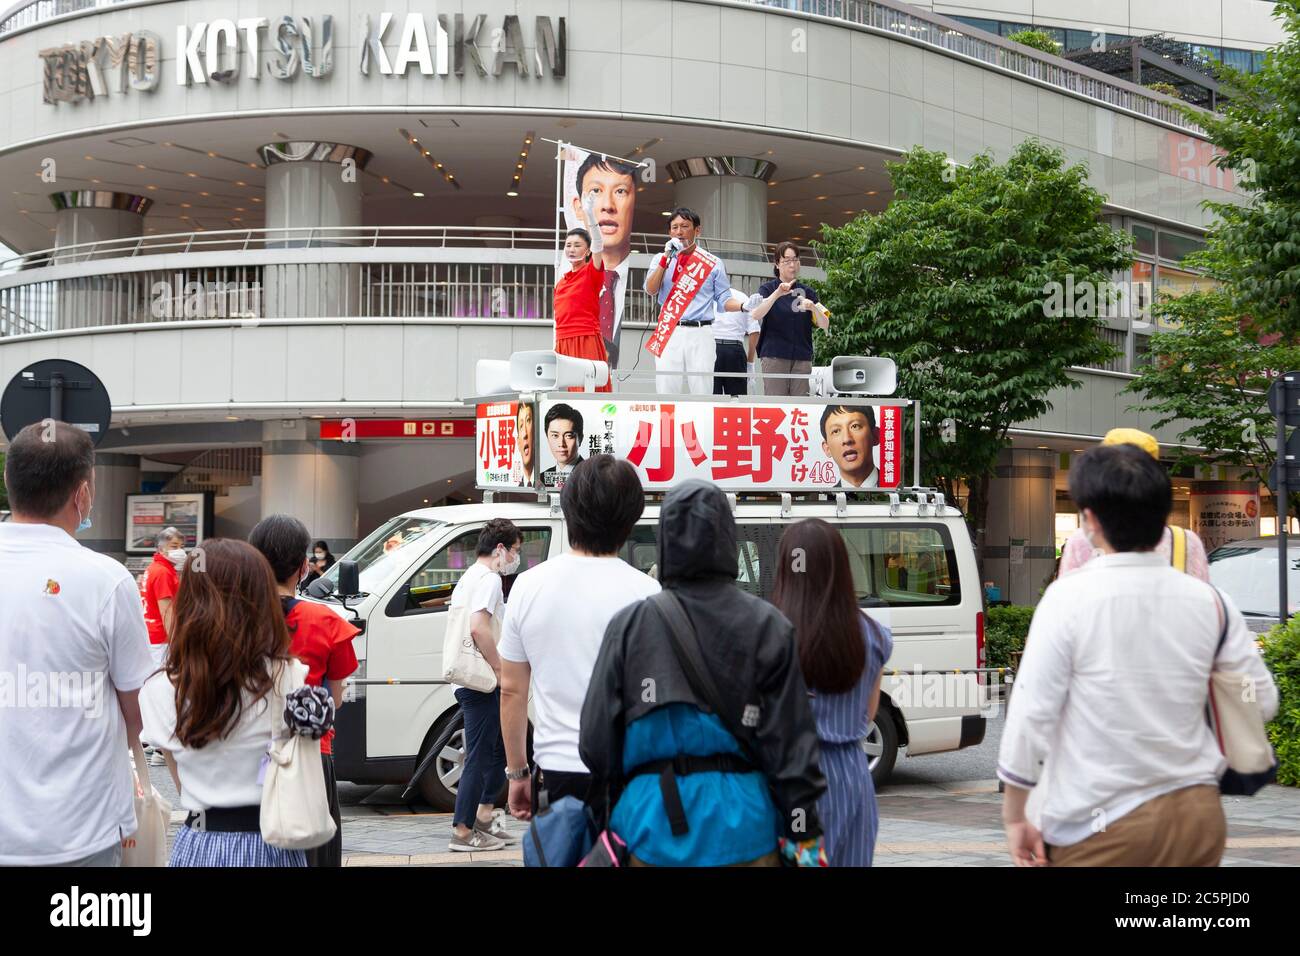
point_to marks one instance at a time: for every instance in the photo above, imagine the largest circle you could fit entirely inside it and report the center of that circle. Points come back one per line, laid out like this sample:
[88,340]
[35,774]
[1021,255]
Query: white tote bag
[463,663]
[148,845]
[1239,728]
[295,805]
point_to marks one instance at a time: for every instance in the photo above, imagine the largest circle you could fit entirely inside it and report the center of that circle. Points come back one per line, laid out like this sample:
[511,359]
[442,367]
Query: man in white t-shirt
[479,593]
[74,651]
[555,624]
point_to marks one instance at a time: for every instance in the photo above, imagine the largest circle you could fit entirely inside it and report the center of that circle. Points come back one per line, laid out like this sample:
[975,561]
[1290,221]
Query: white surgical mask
[177,556]
[511,564]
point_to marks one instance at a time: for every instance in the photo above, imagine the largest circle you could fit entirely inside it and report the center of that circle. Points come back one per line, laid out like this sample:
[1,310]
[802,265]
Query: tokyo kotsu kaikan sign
[223,51]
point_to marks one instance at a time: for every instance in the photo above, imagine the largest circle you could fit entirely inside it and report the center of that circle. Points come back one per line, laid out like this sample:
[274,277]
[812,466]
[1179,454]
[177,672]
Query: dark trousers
[484,773]
[329,854]
[730,358]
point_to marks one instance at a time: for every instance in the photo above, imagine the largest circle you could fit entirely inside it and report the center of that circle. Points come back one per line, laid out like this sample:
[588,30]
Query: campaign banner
[613,183]
[504,441]
[739,446]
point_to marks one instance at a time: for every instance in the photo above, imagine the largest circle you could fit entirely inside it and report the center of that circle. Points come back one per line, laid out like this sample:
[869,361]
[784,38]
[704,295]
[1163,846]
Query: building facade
[262,226]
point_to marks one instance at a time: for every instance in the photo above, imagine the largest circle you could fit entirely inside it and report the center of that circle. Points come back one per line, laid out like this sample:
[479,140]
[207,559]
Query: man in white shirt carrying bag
[478,597]
[1107,725]
[74,651]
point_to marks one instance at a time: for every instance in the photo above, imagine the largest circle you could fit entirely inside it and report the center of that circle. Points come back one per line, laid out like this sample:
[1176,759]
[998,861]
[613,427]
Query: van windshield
[1249,577]
[381,554]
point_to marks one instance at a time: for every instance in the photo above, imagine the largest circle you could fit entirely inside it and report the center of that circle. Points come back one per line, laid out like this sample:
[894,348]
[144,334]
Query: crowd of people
[702,725]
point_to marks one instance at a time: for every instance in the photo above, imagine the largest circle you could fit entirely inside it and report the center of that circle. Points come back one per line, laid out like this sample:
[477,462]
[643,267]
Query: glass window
[902,565]
[1178,248]
[429,588]
[1081,39]
[1144,240]
[1239,59]
[378,556]
[1258,61]
[1006,29]
[1177,282]
[756,552]
[989,26]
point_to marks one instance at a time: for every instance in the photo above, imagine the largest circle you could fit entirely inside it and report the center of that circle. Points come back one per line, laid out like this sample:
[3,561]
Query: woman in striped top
[842,653]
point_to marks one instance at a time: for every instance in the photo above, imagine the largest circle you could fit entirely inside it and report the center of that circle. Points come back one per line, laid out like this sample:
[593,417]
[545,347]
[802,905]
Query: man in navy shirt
[785,343]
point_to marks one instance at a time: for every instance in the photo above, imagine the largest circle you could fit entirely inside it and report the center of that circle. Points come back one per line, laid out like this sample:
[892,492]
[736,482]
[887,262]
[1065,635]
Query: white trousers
[691,349]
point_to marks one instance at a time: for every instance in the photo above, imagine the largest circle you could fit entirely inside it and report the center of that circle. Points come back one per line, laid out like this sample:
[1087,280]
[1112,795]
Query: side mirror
[349,579]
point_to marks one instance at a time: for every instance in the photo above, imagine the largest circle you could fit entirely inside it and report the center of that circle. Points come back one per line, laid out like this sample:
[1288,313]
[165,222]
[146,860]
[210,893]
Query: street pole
[1282,508]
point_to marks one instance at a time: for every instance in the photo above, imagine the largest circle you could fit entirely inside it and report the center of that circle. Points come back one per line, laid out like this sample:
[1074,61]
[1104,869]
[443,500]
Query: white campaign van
[913,568]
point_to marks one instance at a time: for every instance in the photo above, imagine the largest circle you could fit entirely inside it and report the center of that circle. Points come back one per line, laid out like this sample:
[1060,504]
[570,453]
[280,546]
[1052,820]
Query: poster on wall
[612,182]
[146,515]
[1219,516]
[738,446]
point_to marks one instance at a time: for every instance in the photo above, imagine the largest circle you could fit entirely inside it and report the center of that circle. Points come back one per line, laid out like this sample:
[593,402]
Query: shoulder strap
[1223,629]
[1178,548]
[689,656]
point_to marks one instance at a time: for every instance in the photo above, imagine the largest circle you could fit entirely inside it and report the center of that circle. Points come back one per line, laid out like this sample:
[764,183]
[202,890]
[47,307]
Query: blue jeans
[483,776]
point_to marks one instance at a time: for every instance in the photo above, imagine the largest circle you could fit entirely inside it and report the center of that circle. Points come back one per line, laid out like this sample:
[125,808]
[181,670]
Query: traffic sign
[1288,382]
[60,390]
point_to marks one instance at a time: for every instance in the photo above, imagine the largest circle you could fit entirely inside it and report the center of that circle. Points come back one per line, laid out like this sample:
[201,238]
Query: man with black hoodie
[694,785]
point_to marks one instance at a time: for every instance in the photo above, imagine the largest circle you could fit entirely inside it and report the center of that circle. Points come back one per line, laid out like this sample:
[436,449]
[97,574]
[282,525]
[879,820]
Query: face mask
[84,524]
[319,556]
[177,556]
[511,565]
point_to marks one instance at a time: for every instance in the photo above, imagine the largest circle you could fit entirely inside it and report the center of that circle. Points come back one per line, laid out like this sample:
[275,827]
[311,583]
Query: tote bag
[148,845]
[463,663]
[1238,728]
[295,806]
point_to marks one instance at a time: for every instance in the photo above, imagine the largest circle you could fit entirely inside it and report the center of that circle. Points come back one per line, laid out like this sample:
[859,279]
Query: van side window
[641,551]
[902,565]
[430,587]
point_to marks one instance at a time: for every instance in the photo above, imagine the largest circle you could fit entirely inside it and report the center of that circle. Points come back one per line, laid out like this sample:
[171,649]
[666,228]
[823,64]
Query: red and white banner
[694,275]
[499,456]
[784,445]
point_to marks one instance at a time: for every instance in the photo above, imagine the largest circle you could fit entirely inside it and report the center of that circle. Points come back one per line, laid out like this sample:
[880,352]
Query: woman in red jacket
[578,292]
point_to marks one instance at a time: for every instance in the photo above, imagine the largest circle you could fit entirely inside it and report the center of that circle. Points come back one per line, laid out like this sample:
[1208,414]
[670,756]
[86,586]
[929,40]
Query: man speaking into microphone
[682,342]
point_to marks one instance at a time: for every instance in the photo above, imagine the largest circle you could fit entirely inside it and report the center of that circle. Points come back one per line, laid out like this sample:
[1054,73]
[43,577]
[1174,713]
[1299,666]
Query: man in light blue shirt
[694,285]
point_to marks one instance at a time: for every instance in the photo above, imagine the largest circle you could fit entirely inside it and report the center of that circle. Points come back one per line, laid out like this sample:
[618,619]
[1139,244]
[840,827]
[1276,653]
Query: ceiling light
[512,193]
[773,202]
[151,187]
[212,154]
[797,215]
[240,182]
[385,179]
[88,156]
[192,175]
[252,165]
[255,198]
[140,166]
[665,213]
[860,168]
[816,175]
[97,181]
[871,192]
[204,194]
[418,195]
[240,209]
[185,205]
[823,197]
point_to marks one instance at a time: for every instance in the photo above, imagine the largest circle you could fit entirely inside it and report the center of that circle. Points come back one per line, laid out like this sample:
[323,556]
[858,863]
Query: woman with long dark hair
[842,653]
[209,709]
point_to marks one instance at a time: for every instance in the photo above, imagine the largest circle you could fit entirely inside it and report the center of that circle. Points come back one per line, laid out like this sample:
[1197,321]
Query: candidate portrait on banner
[613,182]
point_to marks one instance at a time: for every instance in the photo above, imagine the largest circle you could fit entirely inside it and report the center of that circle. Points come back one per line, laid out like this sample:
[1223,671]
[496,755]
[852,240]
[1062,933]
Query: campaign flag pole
[1284,402]
[559,204]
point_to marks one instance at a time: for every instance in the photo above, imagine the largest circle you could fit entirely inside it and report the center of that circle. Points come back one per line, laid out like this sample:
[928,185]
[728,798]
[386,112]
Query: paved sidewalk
[946,823]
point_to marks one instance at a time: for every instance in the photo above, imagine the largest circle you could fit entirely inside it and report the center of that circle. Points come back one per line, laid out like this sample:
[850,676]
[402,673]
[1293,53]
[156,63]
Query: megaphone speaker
[544,369]
[863,375]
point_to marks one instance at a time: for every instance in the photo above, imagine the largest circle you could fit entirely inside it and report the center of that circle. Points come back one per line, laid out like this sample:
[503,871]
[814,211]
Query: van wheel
[881,746]
[438,785]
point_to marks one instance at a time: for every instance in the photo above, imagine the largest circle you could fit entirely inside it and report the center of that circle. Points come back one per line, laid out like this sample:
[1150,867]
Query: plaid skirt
[200,848]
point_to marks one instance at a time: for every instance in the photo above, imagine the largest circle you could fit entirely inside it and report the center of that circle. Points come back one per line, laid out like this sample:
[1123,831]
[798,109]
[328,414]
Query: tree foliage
[1257,245]
[1036,39]
[950,281]
[1212,372]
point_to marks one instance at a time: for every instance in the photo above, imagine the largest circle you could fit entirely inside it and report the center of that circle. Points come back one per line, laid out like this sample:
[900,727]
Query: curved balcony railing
[365,272]
[353,237]
[884,16]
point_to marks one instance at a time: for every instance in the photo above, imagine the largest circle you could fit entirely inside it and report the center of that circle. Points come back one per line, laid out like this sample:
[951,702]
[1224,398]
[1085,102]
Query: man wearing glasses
[785,344]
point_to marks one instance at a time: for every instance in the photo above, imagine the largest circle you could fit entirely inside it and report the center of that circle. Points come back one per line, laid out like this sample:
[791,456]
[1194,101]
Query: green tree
[952,282]
[1257,245]
[1212,372]
[1036,39]
[1166,88]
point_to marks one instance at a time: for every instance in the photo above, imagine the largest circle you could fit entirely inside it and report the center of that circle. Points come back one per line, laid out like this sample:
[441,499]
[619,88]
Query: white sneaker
[477,841]
[496,828]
